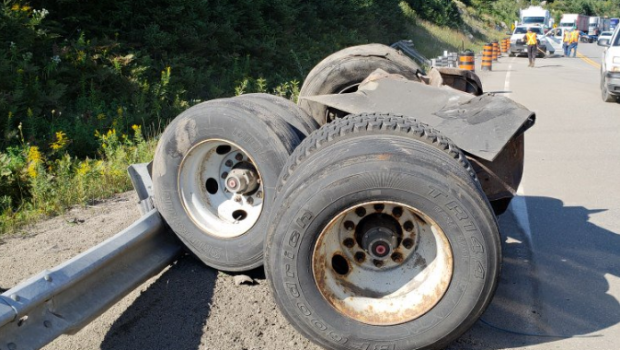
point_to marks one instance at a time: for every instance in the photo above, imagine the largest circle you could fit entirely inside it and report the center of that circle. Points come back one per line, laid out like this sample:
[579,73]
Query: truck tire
[605,95]
[215,171]
[364,205]
[342,71]
[297,117]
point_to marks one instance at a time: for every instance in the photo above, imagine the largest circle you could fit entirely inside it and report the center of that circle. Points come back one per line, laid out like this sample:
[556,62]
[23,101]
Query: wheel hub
[382,263]
[221,188]
[242,181]
[379,235]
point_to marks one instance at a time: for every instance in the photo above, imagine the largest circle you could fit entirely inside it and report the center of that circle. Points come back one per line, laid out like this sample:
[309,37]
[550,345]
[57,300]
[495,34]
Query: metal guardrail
[406,46]
[66,298]
[140,175]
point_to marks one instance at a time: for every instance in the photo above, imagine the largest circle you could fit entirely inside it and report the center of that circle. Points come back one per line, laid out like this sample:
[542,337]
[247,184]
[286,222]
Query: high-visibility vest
[531,38]
[574,36]
[567,37]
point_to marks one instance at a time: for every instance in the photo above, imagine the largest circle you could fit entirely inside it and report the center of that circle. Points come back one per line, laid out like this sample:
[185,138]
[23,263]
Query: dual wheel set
[373,229]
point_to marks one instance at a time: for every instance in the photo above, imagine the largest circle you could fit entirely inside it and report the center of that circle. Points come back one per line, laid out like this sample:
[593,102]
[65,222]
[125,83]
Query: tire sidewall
[475,250]
[212,121]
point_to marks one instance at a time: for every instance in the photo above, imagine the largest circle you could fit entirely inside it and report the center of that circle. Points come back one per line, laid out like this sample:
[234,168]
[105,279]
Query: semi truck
[568,21]
[535,15]
[594,25]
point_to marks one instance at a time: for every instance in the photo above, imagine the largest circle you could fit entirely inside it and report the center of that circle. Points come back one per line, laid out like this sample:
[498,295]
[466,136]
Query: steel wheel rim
[404,285]
[202,179]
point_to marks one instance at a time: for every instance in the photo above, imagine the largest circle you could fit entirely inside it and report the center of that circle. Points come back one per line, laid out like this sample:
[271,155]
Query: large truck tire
[215,171]
[605,95]
[297,117]
[343,71]
[382,237]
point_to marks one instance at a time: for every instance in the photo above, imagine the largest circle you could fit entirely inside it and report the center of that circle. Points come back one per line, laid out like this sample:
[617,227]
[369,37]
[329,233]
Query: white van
[610,67]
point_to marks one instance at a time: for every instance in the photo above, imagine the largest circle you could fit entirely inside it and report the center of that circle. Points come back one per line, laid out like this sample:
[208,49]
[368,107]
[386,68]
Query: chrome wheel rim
[218,209]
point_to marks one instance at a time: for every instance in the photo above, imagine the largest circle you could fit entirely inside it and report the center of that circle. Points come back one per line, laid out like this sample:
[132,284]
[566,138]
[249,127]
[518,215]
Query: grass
[432,40]
[38,186]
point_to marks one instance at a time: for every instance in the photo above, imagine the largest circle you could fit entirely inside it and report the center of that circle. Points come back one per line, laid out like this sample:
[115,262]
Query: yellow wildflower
[61,141]
[34,159]
[26,8]
[15,7]
[101,116]
[84,168]
[119,111]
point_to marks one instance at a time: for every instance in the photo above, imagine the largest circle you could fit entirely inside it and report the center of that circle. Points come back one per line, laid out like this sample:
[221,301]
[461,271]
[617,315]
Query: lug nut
[259,194]
[397,257]
[239,157]
[360,257]
[379,207]
[229,163]
[237,199]
[349,242]
[224,175]
[250,200]
[378,263]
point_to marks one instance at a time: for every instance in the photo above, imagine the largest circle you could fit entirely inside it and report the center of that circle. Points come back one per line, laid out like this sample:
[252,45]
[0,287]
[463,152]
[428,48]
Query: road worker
[566,42]
[531,41]
[574,41]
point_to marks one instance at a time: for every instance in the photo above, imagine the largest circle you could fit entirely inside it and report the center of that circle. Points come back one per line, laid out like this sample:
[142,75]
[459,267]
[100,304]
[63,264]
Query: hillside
[87,86]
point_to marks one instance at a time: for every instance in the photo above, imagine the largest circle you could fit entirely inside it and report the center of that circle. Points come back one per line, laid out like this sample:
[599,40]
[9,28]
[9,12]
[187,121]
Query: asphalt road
[560,284]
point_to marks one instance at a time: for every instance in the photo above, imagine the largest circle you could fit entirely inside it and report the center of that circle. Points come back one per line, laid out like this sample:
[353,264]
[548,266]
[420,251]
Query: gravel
[187,306]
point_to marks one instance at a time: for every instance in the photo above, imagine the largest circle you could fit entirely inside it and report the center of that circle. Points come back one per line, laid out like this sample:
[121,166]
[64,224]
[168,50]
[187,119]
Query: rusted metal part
[501,177]
[479,125]
[373,288]
[459,79]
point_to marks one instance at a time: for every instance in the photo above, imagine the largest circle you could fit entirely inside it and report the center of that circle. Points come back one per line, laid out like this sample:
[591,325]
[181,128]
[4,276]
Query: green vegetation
[77,76]
[33,184]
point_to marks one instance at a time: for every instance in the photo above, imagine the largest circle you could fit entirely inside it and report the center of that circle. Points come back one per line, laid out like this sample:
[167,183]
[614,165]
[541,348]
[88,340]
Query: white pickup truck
[610,67]
[555,38]
[517,44]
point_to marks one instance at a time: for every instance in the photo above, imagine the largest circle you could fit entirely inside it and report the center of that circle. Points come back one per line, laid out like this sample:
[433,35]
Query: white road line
[507,81]
[519,209]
